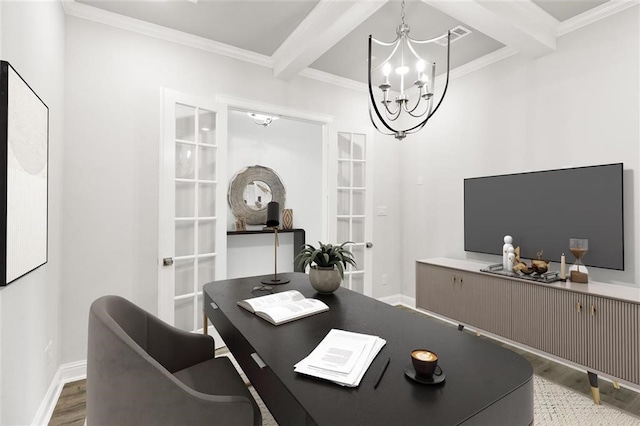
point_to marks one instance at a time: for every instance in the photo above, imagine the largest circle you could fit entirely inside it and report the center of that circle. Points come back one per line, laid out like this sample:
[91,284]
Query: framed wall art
[24,169]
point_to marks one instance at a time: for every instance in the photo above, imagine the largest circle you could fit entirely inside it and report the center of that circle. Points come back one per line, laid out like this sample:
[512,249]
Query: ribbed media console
[594,326]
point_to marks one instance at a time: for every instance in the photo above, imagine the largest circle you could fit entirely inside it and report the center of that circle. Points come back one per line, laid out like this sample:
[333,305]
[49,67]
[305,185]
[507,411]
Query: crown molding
[593,15]
[79,10]
[336,80]
[484,61]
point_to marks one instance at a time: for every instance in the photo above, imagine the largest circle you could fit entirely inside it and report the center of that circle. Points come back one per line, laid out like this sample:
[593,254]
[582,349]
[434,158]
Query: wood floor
[71,406]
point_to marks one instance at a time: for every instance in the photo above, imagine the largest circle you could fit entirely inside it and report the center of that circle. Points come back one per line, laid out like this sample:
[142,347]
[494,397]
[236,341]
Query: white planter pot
[324,280]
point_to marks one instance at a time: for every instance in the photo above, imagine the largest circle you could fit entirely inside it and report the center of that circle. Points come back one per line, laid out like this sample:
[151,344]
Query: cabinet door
[568,336]
[549,320]
[435,287]
[614,341]
[485,302]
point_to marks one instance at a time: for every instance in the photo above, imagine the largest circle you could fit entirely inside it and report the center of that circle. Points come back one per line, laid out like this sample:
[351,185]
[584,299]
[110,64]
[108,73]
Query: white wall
[111,153]
[388,231]
[32,35]
[293,149]
[577,106]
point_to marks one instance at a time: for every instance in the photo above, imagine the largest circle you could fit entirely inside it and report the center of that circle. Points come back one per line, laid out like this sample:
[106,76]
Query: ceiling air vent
[456,34]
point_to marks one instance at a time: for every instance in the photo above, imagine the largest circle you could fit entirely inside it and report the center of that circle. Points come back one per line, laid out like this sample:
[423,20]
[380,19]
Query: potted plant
[327,264]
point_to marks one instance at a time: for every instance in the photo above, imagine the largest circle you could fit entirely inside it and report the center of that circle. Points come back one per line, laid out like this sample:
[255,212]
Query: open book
[283,307]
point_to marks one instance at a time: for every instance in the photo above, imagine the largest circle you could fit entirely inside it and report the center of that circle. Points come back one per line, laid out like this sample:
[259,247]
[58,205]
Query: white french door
[354,206]
[192,227]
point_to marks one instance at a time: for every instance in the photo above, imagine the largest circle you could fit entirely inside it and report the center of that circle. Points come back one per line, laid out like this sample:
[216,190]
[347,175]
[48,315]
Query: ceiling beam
[520,24]
[326,24]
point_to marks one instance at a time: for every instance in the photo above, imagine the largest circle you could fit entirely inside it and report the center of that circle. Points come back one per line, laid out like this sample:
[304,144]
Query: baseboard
[399,299]
[66,373]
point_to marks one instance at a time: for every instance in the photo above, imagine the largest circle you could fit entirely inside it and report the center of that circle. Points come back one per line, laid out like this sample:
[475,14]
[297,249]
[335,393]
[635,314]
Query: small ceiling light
[403,53]
[261,119]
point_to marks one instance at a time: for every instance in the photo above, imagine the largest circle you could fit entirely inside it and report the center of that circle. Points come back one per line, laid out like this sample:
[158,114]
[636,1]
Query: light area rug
[556,405]
[553,405]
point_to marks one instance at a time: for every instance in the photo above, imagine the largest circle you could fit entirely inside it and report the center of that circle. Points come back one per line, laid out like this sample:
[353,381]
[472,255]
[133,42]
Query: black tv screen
[543,210]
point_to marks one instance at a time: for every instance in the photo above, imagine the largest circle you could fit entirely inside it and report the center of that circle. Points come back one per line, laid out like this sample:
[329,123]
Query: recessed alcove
[293,150]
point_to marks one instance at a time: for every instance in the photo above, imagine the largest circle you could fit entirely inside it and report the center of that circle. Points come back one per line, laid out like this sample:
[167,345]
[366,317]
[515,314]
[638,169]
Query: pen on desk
[384,368]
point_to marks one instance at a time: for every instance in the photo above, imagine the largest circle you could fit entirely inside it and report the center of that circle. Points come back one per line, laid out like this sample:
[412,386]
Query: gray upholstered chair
[142,371]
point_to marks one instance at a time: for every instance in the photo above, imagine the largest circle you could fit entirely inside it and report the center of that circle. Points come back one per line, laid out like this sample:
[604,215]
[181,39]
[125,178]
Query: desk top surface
[478,372]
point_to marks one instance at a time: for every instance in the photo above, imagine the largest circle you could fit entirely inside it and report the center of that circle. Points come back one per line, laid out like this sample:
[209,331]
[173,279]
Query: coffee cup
[425,362]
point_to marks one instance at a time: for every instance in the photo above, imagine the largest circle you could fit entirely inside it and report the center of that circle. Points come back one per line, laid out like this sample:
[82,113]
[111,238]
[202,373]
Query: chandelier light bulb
[386,69]
[420,66]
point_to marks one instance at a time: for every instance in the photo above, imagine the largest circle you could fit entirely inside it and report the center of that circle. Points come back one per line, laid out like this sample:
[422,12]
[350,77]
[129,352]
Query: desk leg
[205,323]
[595,390]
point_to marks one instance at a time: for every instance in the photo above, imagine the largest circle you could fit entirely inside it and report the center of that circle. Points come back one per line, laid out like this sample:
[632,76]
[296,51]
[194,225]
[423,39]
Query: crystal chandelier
[414,104]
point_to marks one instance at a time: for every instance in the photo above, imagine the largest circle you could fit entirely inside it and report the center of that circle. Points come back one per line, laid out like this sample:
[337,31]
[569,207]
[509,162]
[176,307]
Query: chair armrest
[176,349]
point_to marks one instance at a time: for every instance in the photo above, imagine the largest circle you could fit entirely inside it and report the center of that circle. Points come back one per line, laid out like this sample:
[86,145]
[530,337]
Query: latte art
[424,355]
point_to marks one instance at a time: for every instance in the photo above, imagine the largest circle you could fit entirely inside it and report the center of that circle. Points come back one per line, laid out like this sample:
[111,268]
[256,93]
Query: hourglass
[578,272]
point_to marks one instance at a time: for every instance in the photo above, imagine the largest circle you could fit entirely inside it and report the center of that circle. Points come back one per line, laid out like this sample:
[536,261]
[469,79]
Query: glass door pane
[350,204]
[196,180]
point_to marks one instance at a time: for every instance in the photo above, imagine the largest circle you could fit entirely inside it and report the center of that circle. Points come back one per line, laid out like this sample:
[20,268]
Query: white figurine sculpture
[508,242]
[511,259]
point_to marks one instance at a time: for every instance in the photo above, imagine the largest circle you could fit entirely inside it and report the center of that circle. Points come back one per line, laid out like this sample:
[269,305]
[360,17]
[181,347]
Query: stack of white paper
[342,357]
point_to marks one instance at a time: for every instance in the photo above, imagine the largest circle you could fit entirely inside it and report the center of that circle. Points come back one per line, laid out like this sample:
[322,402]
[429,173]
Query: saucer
[411,373]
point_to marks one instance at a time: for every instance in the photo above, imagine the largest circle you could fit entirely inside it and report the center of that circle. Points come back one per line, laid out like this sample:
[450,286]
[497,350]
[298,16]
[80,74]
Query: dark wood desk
[485,383]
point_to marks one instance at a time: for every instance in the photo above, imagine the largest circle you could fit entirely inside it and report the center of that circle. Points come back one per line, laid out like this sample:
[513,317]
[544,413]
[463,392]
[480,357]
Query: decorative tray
[547,277]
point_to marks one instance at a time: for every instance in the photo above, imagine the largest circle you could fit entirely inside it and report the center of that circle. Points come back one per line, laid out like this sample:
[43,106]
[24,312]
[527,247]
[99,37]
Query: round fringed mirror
[251,189]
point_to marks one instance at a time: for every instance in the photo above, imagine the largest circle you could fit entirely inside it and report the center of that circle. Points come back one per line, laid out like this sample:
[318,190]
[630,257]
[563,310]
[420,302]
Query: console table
[485,383]
[594,326]
[299,240]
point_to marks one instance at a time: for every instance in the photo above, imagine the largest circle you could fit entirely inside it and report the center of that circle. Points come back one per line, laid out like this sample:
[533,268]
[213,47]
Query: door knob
[167,261]
[369,244]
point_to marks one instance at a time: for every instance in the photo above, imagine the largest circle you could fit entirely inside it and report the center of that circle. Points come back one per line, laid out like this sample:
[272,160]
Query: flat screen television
[543,210]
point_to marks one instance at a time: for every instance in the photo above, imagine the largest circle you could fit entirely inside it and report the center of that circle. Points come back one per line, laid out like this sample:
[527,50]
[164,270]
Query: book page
[260,303]
[278,314]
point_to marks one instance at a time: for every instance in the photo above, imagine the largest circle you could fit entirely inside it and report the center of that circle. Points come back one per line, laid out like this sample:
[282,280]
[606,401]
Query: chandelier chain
[402,14]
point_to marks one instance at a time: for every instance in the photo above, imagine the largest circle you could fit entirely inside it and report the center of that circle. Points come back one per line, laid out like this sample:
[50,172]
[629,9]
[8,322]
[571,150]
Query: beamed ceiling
[327,39]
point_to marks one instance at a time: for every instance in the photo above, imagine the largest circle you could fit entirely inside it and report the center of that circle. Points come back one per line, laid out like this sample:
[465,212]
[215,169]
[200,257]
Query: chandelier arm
[373,99]
[376,126]
[444,92]
[429,104]
[389,112]
[395,49]
[416,54]
[393,117]
[384,43]
[431,40]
